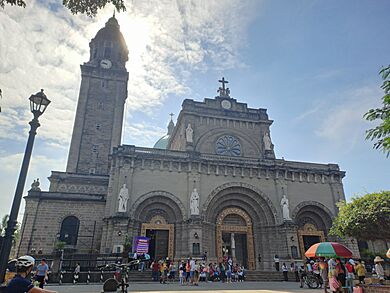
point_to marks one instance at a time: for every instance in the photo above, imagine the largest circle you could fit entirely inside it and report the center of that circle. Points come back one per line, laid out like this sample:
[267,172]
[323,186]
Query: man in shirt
[41,273]
[21,283]
[192,270]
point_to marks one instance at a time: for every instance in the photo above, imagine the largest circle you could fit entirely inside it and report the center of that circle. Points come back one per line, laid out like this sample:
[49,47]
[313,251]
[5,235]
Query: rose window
[228,146]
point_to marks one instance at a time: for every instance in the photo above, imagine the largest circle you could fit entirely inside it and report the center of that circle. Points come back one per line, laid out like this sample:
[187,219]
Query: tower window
[98,126]
[100,106]
[94,52]
[107,49]
[103,83]
[95,148]
[107,52]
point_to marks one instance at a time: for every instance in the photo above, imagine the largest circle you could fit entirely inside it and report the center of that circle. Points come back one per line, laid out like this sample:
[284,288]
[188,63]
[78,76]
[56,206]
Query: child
[181,274]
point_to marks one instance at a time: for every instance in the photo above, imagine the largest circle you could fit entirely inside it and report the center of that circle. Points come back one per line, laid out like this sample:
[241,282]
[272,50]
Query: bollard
[88,277]
[61,277]
[75,278]
[101,277]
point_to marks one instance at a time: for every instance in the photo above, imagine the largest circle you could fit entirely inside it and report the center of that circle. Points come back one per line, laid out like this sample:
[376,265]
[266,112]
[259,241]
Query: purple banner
[141,244]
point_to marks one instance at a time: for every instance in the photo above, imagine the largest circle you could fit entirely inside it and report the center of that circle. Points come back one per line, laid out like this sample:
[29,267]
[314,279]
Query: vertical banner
[141,244]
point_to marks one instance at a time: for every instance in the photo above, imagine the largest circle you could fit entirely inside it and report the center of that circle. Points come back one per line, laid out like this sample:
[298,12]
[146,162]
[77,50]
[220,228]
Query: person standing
[324,273]
[340,272]
[285,272]
[360,271]
[276,260]
[155,270]
[41,273]
[76,273]
[192,270]
[379,268]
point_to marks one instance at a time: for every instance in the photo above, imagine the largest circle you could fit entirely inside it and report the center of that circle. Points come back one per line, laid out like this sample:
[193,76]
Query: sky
[312,64]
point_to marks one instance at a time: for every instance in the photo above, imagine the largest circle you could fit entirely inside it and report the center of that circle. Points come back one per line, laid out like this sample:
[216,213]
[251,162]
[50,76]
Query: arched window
[69,230]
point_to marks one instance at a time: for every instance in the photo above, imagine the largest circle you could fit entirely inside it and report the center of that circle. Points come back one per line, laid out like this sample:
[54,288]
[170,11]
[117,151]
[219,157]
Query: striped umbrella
[328,249]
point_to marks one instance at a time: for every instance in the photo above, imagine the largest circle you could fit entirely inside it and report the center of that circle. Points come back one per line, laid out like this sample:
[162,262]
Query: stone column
[233,246]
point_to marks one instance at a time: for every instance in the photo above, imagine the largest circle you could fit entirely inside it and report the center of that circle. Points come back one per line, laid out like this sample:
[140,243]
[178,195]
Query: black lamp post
[38,104]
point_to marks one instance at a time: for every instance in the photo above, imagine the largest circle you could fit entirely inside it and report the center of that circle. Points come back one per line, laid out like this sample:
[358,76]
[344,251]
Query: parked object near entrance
[328,249]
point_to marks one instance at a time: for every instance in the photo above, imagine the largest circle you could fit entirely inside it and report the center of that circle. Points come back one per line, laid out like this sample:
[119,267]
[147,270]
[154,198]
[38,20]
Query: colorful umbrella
[328,249]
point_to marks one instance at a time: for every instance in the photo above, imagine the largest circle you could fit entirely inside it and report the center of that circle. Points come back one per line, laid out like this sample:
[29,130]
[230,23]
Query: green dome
[162,143]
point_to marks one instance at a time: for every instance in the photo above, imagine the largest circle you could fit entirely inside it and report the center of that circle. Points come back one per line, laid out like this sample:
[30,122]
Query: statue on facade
[123,198]
[189,133]
[267,142]
[194,202]
[35,185]
[285,208]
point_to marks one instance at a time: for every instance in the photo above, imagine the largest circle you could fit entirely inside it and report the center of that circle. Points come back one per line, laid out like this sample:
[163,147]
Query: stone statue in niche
[123,198]
[267,142]
[285,208]
[194,202]
[189,133]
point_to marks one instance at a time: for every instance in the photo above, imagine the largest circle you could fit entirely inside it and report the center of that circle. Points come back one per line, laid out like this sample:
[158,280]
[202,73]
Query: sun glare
[137,32]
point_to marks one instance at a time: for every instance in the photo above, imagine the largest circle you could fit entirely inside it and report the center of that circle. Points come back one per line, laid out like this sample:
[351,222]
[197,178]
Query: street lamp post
[38,104]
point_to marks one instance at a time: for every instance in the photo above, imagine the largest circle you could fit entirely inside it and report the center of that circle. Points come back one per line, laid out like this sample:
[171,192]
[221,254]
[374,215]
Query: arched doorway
[314,222]
[162,237]
[234,235]
[159,214]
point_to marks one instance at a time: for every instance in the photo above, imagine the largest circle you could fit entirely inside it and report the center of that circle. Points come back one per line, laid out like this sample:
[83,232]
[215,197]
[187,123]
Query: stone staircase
[263,276]
[136,276]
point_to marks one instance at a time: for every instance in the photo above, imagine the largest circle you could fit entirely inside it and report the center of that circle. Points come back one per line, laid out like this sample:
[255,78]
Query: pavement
[247,287]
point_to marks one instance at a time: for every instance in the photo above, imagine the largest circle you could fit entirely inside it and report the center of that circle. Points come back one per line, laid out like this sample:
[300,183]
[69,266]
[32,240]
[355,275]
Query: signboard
[141,244]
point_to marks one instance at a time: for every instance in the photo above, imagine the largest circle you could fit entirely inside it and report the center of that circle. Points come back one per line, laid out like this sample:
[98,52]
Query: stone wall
[44,214]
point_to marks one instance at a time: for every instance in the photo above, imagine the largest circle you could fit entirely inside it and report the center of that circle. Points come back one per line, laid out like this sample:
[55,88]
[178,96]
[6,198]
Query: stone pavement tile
[246,287]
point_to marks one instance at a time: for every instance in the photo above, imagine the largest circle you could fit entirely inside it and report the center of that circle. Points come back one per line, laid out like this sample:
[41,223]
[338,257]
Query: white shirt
[192,265]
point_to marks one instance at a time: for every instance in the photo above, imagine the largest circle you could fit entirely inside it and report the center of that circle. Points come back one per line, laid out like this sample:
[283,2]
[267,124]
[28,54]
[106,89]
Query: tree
[366,217]
[381,133]
[87,7]
[3,226]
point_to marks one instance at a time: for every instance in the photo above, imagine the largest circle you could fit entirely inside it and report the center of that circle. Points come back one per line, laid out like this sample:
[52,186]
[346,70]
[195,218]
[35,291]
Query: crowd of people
[192,271]
[333,273]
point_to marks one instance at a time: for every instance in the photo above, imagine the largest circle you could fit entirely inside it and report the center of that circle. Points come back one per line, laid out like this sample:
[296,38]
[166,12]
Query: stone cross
[171,116]
[222,90]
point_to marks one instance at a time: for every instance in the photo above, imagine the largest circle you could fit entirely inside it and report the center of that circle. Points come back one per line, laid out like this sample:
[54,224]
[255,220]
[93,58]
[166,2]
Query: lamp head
[38,103]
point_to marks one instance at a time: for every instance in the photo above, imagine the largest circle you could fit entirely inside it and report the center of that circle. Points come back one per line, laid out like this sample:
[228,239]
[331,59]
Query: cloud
[167,41]
[343,124]
[10,167]
[143,133]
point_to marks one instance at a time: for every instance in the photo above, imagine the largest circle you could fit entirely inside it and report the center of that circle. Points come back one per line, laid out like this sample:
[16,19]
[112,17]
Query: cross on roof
[171,116]
[223,81]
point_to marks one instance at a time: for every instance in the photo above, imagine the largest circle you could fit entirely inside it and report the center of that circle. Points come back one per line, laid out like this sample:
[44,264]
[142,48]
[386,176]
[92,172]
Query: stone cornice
[187,161]
[65,196]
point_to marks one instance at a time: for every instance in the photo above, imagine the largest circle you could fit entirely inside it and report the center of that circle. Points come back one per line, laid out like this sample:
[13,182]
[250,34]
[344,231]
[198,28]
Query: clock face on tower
[105,63]
[226,104]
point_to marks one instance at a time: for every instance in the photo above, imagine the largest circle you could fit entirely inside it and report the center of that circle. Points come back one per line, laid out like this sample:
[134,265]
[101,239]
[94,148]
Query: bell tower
[103,92]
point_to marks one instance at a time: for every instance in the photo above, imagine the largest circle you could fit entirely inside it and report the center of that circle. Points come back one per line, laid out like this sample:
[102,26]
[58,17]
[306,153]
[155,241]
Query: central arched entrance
[234,235]
[159,214]
[162,237]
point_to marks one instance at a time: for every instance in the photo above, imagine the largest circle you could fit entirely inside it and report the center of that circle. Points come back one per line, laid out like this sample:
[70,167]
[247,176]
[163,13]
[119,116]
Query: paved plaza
[248,287]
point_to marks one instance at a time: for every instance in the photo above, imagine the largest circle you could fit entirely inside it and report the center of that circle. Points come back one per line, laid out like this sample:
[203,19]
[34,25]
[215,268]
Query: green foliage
[366,217]
[60,245]
[381,133]
[87,7]
[91,8]
[127,244]
[3,226]
[12,2]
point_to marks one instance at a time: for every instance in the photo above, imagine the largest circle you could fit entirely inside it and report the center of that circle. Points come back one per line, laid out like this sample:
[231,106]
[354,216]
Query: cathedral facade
[211,186]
